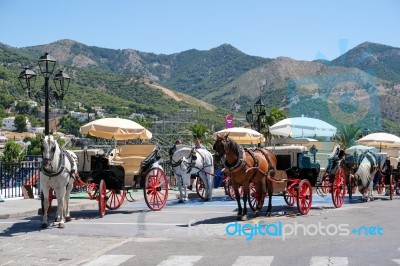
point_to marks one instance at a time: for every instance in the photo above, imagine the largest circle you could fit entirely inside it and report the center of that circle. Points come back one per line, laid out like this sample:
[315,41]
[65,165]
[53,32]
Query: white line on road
[334,261]
[397,261]
[180,260]
[253,261]
[109,260]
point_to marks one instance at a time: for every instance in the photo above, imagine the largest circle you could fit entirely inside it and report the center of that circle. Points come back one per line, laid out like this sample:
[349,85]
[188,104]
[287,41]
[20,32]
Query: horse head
[49,150]
[221,145]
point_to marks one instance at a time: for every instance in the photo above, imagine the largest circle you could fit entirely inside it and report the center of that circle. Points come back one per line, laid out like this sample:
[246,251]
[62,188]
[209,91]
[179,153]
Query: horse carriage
[296,172]
[111,175]
[375,171]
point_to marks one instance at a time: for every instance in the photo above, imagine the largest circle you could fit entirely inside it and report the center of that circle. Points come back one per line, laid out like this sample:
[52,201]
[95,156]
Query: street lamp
[257,119]
[27,79]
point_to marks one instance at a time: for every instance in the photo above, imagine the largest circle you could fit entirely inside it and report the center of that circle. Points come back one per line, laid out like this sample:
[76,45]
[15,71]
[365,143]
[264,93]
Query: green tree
[20,123]
[35,147]
[23,108]
[70,125]
[143,121]
[13,152]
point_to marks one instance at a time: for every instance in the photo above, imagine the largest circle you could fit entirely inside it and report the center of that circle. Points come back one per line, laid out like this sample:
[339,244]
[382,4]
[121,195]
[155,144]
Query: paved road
[196,234]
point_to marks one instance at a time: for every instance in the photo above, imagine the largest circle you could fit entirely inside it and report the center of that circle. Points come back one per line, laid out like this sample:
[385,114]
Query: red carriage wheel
[92,190]
[200,188]
[102,198]
[115,198]
[290,199]
[51,197]
[380,188]
[338,189]
[232,191]
[155,189]
[256,198]
[304,196]
[326,185]
[391,187]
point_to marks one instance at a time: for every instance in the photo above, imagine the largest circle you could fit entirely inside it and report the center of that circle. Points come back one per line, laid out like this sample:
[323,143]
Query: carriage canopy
[115,128]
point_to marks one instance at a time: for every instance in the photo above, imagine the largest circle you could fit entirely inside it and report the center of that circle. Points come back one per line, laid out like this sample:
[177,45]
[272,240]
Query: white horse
[187,161]
[56,174]
[367,167]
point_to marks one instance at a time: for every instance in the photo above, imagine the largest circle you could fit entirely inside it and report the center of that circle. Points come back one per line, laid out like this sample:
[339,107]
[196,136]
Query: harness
[61,168]
[240,163]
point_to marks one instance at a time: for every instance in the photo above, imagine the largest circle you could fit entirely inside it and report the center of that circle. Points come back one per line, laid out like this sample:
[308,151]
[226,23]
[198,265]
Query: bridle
[48,158]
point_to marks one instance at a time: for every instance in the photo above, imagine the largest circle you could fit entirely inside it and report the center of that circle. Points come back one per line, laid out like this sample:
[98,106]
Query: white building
[82,116]
[9,123]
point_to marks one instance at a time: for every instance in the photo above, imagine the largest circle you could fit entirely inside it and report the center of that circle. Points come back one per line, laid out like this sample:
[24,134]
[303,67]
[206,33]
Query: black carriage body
[113,175]
[145,166]
[297,165]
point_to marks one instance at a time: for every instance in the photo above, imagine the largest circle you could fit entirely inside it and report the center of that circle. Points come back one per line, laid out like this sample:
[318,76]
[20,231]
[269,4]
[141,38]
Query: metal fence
[17,177]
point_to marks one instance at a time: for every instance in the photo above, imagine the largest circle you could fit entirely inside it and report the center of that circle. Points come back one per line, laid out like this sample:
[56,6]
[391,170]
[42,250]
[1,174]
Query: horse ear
[226,135]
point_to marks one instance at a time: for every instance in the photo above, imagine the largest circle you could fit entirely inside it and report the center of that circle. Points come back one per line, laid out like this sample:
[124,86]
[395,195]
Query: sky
[300,29]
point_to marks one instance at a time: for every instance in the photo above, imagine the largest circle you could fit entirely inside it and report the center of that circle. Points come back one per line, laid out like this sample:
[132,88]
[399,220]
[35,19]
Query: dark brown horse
[245,166]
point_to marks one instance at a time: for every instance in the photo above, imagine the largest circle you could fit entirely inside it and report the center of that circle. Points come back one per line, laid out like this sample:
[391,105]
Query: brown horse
[246,166]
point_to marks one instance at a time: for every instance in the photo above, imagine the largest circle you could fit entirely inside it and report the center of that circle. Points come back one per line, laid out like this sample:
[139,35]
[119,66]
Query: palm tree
[274,115]
[201,131]
[347,135]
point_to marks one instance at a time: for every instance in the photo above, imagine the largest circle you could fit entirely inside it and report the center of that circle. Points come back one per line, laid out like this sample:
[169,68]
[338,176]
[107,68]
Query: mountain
[376,59]
[359,87]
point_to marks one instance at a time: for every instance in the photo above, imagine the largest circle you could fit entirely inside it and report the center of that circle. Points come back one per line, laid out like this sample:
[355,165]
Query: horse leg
[237,197]
[179,182]
[260,193]
[45,191]
[269,189]
[66,202]
[60,208]
[210,179]
[245,199]
[371,190]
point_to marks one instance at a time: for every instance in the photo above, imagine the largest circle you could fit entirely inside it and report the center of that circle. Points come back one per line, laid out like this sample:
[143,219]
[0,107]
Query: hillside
[377,59]
[360,87]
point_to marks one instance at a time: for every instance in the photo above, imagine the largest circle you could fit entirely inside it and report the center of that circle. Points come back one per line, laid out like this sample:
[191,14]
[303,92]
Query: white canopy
[242,135]
[303,127]
[115,128]
[380,140]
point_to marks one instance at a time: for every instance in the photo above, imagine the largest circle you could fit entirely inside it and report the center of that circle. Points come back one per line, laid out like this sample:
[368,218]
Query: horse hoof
[44,225]
[68,219]
[57,220]
[244,218]
[61,225]
[268,214]
[256,214]
[180,201]
[238,217]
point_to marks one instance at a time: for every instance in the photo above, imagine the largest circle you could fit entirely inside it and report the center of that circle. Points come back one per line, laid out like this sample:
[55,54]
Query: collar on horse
[61,166]
[240,163]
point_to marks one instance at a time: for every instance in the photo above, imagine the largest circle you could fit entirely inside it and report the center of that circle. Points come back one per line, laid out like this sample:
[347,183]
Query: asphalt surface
[20,207]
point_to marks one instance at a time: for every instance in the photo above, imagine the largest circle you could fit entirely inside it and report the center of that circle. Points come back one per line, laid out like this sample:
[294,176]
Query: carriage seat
[394,162]
[130,157]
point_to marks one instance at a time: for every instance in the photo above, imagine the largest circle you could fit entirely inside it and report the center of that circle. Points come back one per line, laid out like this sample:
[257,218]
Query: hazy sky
[300,29]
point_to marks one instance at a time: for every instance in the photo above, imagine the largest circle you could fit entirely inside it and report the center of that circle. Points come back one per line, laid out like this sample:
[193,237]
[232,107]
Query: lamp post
[27,79]
[258,119]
